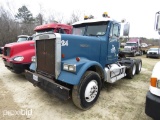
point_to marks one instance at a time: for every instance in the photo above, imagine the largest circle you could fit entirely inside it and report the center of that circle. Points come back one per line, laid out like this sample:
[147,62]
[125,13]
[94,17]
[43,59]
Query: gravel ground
[123,100]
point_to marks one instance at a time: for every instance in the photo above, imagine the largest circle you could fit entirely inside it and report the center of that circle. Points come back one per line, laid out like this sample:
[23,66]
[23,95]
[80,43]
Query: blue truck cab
[76,66]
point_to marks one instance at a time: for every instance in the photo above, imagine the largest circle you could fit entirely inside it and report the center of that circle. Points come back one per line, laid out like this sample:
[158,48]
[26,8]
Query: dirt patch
[123,100]
[9,109]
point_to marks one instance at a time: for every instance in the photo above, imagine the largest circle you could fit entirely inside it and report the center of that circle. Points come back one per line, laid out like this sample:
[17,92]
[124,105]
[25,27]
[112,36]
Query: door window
[114,31]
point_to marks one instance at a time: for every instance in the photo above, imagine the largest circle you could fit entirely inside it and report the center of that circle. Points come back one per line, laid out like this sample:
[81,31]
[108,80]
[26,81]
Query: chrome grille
[45,53]
[127,49]
[6,51]
[153,53]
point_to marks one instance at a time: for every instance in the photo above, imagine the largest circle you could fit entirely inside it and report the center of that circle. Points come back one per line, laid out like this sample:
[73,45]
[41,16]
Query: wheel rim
[91,91]
[140,65]
[134,70]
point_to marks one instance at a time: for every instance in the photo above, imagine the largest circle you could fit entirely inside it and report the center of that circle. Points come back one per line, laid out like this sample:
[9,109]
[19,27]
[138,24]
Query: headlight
[71,68]
[33,59]
[158,83]
[18,58]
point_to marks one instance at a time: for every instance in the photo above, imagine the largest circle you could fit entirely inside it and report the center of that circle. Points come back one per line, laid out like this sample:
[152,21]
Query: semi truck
[17,56]
[22,38]
[133,47]
[152,106]
[77,66]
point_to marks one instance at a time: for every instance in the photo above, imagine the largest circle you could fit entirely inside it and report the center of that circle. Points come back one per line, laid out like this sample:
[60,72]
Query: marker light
[85,17]
[77,59]
[33,59]
[153,82]
[63,55]
[105,14]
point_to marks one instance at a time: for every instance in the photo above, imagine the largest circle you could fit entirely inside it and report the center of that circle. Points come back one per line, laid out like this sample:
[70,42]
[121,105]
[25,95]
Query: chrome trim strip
[58,55]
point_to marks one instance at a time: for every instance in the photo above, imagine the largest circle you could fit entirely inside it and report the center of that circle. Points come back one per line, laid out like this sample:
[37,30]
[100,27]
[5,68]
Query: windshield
[22,39]
[91,29]
[79,31]
[153,49]
[130,44]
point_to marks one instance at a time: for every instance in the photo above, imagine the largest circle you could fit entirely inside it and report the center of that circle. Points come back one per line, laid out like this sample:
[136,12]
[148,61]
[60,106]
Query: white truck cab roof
[93,21]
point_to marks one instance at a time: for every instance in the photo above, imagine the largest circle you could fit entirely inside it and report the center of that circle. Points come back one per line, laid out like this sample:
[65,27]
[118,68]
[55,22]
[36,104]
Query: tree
[25,15]
[75,16]
[39,19]
[9,29]
[56,17]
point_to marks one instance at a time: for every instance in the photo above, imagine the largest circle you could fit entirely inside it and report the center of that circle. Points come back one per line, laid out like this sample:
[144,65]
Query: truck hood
[19,47]
[80,46]
[15,44]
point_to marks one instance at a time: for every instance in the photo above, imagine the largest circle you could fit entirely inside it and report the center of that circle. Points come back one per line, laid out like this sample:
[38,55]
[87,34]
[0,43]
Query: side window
[114,31]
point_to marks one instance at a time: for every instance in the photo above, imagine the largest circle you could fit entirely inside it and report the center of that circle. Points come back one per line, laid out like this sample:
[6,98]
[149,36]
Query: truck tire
[133,54]
[86,93]
[131,71]
[138,65]
[141,53]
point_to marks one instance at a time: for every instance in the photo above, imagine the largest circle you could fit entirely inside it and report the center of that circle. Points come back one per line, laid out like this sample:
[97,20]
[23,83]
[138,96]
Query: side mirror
[157,22]
[126,29]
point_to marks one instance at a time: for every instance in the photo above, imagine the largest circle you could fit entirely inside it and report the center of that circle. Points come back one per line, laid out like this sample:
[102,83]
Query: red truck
[133,47]
[17,56]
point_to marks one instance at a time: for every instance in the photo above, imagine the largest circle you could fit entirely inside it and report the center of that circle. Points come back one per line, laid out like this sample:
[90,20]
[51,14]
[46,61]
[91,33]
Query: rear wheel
[86,93]
[131,71]
[134,54]
[138,66]
[141,53]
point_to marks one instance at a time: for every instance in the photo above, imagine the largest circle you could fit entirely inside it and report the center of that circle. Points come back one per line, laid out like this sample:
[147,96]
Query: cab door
[113,43]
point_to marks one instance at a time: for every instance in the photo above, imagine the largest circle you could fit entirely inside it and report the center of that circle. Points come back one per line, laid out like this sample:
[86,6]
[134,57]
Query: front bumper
[152,55]
[128,52]
[152,107]
[48,85]
[15,67]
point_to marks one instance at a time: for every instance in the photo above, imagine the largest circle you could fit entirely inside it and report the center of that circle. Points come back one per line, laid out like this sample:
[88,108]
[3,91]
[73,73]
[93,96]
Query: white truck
[152,107]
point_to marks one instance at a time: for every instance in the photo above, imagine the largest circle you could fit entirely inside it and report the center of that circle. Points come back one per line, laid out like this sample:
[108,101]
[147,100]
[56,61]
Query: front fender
[74,78]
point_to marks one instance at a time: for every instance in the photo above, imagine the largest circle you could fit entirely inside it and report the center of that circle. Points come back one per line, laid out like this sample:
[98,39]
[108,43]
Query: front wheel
[86,93]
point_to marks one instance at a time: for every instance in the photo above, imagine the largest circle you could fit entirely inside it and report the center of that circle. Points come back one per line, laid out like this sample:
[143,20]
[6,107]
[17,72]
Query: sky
[139,13]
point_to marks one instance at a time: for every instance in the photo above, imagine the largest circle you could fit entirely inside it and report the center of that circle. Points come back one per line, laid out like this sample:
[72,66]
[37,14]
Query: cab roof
[23,36]
[92,21]
[52,25]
